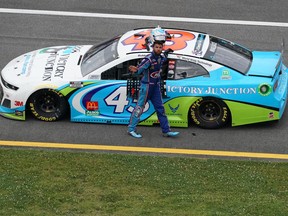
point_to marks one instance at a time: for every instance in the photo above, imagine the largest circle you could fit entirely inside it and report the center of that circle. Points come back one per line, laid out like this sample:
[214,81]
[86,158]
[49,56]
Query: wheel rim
[209,111]
[48,103]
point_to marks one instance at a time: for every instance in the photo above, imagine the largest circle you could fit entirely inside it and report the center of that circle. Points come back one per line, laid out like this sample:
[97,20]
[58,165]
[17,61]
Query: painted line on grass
[141,17]
[144,149]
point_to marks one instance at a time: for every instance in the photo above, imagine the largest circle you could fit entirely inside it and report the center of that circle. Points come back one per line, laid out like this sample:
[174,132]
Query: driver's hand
[166,52]
[133,68]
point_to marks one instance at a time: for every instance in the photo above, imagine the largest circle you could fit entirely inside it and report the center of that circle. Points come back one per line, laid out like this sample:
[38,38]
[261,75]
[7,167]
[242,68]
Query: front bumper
[11,113]
[16,114]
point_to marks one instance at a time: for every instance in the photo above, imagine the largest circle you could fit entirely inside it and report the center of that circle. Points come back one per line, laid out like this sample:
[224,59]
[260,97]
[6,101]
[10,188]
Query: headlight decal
[8,85]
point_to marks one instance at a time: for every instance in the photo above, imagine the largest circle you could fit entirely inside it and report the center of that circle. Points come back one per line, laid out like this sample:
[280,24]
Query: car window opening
[99,55]
[229,54]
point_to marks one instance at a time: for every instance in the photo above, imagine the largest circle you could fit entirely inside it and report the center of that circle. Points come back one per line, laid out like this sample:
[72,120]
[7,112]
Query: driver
[150,68]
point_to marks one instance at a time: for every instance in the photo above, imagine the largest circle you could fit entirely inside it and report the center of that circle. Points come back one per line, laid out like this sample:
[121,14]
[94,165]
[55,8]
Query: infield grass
[34,182]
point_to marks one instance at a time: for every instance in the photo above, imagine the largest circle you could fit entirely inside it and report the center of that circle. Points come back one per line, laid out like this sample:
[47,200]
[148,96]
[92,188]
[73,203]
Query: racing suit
[150,67]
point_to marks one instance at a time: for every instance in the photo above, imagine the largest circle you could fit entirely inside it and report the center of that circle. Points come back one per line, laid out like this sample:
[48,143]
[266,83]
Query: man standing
[150,68]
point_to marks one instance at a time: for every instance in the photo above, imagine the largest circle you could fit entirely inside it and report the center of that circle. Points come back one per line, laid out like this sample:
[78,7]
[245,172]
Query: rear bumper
[247,113]
[282,90]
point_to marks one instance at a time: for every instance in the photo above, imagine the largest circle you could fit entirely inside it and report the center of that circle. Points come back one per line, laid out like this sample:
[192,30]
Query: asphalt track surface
[20,33]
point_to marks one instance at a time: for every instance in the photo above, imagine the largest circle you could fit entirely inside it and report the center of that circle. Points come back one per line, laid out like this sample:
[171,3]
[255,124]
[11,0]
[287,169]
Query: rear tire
[210,113]
[48,105]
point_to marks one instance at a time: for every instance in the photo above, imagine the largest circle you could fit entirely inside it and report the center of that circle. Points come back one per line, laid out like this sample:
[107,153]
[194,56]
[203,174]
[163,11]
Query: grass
[34,182]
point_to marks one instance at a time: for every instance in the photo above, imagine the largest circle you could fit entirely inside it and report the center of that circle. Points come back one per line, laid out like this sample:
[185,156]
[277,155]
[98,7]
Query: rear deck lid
[264,64]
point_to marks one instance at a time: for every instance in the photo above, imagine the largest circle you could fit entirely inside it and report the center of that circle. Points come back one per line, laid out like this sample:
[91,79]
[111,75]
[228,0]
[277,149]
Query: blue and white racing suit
[150,68]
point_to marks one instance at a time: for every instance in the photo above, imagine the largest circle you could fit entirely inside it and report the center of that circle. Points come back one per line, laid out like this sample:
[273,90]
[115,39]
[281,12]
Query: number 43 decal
[118,99]
[177,42]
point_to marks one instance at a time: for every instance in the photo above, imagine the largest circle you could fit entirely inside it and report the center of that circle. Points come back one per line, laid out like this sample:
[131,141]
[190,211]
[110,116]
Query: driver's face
[157,48]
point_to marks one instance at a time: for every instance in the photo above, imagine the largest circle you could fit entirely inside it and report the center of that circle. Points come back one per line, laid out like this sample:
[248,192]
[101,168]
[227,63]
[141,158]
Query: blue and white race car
[207,80]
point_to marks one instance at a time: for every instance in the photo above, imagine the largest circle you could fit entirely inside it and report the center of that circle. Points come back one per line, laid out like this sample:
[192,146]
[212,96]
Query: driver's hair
[158,42]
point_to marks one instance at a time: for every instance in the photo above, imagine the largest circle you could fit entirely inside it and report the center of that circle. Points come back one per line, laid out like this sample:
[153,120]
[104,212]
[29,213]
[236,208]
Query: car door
[106,100]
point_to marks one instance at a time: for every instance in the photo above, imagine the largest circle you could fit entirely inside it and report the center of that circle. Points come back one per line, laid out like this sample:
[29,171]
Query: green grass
[34,182]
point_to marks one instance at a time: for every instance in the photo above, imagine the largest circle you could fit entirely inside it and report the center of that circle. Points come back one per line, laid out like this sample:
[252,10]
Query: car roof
[183,42]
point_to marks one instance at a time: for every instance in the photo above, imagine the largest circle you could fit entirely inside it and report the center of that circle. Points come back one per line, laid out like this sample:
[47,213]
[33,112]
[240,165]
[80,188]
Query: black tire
[210,113]
[48,105]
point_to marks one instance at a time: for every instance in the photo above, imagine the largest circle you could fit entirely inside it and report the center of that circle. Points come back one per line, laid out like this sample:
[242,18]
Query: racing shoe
[134,134]
[170,134]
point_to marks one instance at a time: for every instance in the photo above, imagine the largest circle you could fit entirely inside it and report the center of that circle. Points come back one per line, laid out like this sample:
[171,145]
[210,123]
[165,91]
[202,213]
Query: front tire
[48,105]
[210,113]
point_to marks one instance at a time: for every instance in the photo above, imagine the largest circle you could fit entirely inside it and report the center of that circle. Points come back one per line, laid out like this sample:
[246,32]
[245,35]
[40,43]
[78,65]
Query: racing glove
[166,52]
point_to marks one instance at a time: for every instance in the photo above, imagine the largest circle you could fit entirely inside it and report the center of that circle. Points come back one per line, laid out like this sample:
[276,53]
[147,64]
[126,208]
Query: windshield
[99,55]
[229,54]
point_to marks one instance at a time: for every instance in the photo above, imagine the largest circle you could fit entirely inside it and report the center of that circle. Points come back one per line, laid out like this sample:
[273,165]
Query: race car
[207,81]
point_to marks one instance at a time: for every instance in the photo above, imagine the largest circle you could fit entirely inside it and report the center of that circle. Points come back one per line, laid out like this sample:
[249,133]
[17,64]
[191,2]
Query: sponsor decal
[271,115]
[155,74]
[170,74]
[26,62]
[92,113]
[57,65]
[174,109]
[210,90]
[60,68]
[18,113]
[184,58]
[30,64]
[199,44]
[196,61]
[49,67]
[204,63]
[92,105]
[76,84]
[213,47]
[264,89]
[18,103]
[142,55]
[66,50]
[94,77]
[171,65]
[47,85]
[225,114]
[226,75]
[92,108]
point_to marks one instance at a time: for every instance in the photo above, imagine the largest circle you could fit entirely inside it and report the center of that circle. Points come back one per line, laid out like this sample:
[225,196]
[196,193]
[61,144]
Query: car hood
[51,64]
[264,63]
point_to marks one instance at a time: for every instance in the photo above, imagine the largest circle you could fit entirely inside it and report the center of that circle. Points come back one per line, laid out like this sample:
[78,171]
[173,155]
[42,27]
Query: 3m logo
[18,103]
[92,105]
